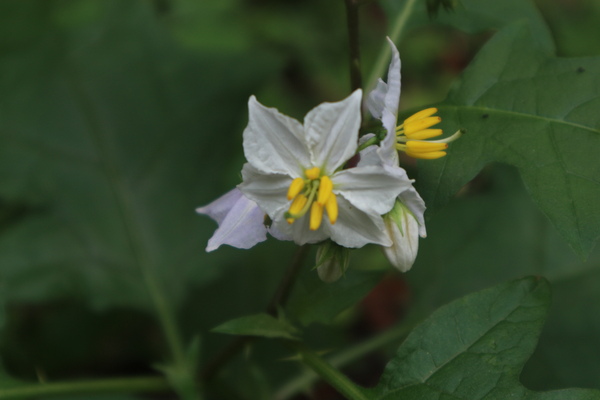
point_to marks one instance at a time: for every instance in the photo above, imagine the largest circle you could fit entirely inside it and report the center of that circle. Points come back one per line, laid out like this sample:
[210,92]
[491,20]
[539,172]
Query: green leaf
[474,348]
[494,232]
[522,106]
[259,325]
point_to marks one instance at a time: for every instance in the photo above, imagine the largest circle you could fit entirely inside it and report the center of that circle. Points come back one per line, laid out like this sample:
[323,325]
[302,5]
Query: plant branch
[279,298]
[328,373]
[398,28]
[349,355]
[118,385]
[353,28]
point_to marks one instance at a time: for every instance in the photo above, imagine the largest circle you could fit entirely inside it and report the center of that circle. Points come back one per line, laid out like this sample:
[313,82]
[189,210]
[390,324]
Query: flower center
[412,134]
[314,193]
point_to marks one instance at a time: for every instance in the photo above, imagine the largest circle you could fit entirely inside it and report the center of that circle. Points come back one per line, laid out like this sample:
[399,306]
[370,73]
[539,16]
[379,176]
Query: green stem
[345,357]
[353,36]
[372,141]
[328,373]
[119,385]
[397,30]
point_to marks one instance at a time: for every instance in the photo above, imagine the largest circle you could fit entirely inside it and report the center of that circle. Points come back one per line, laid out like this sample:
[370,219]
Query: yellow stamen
[428,112]
[316,216]
[298,204]
[427,156]
[332,208]
[313,173]
[420,124]
[295,187]
[325,189]
[424,147]
[424,134]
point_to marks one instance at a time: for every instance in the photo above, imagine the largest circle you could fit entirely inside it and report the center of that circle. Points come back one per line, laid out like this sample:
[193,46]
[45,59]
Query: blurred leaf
[522,106]
[259,325]
[108,142]
[474,348]
[473,16]
[316,301]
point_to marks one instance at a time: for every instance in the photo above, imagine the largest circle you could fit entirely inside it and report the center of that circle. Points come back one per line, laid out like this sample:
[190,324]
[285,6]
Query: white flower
[294,174]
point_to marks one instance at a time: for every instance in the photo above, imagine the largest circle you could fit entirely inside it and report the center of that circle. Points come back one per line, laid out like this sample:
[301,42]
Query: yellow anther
[316,216]
[424,134]
[420,124]
[325,189]
[332,208]
[428,112]
[427,156]
[413,146]
[295,187]
[313,173]
[298,204]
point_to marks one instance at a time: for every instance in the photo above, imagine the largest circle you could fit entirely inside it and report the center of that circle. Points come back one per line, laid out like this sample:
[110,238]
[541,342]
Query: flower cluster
[298,177]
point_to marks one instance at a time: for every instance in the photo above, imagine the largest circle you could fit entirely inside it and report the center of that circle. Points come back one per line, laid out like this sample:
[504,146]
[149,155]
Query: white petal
[273,142]
[403,252]
[371,188]
[241,222]
[269,191]
[383,104]
[411,199]
[332,132]
[387,95]
[355,228]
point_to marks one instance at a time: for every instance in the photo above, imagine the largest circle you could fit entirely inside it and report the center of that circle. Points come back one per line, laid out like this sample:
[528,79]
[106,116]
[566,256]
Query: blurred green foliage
[117,119]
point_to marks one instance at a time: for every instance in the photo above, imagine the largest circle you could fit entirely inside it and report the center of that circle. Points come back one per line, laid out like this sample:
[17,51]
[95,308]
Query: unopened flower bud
[332,261]
[403,229]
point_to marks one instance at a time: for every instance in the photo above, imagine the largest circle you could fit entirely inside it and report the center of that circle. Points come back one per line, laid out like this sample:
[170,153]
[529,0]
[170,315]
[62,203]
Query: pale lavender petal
[273,142]
[371,188]
[332,132]
[241,221]
[298,231]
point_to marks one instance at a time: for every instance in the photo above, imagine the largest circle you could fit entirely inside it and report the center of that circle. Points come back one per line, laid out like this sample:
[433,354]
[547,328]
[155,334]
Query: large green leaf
[474,348]
[497,233]
[521,105]
[107,144]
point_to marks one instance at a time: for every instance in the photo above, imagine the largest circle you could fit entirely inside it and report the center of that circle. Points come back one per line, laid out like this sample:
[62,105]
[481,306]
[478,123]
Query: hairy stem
[119,385]
[279,299]
[398,28]
[352,22]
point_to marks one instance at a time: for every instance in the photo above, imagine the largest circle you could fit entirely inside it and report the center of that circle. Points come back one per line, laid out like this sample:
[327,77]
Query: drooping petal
[383,104]
[273,142]
[269,191]
[332,132]
[241,221]
[405,241]
[415,204]
[355,228]
[371,188]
